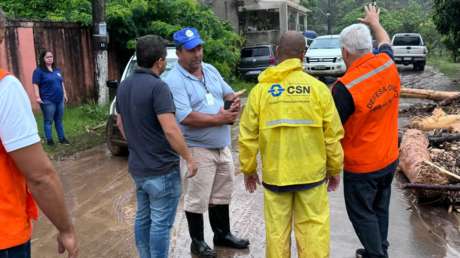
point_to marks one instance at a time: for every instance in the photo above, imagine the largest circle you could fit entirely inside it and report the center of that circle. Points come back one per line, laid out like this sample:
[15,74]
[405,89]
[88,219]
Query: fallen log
[450,187]
[413,153]
[436,140]
[438,120]
[429,94]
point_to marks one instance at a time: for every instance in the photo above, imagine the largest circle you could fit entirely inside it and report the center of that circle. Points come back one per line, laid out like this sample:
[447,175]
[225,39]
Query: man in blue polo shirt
[199,92]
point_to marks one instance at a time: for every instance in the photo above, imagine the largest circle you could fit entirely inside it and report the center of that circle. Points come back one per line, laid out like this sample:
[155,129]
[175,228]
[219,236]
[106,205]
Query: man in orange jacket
[26,173]
[367,98]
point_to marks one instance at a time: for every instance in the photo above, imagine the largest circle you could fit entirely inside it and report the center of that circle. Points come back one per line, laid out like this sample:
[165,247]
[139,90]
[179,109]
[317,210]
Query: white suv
[324,57]
[115,142]
[408,48]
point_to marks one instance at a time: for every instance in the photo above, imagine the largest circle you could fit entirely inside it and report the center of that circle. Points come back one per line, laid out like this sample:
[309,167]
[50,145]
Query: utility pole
[100,42]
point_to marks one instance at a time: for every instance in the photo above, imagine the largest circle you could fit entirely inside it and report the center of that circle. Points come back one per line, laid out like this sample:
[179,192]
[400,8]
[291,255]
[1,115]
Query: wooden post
[100,41]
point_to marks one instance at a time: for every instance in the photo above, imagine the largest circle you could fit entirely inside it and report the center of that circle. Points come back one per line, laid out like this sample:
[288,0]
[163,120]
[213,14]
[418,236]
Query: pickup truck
[408,48]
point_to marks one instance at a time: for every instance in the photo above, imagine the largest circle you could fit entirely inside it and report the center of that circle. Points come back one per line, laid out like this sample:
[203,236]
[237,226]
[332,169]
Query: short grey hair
[356,39]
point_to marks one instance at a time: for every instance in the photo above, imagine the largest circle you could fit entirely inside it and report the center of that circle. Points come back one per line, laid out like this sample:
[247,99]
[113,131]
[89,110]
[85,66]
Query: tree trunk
[412,159]
[436,140]
[439,120]
[429,94]
[413,151]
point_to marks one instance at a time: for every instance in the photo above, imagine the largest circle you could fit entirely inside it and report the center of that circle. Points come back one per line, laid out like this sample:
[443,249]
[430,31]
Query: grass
[446,66]
[84,127]
[241,84]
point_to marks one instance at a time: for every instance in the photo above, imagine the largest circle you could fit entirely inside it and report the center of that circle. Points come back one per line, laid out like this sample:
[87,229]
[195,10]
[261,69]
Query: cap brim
[193,43]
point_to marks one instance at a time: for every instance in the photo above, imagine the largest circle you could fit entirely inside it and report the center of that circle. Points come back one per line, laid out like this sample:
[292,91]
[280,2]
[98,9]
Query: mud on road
[101,198]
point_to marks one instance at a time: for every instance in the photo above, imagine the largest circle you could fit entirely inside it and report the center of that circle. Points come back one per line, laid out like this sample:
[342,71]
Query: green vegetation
[446,66]
[129,19]
[396,16]
[240,84]
[447,22]
[84,127]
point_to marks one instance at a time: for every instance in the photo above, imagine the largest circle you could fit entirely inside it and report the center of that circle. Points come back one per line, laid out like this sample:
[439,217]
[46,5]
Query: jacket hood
[281,71]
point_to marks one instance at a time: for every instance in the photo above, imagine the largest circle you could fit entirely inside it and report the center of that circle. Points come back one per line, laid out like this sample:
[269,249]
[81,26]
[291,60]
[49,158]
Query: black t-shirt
[140,98]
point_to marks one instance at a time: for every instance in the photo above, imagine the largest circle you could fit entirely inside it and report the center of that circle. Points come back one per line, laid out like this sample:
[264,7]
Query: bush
[129,19]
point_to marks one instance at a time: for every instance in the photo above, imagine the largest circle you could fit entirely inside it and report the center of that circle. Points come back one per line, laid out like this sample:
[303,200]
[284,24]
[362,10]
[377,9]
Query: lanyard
[203,82]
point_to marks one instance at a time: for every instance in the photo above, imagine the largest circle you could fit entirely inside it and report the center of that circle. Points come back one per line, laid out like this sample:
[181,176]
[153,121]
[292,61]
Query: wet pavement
[101,198]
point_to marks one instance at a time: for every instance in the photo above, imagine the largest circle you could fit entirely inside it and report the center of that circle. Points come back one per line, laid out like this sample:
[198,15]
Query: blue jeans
[53,112]
[157,199]
[20,251]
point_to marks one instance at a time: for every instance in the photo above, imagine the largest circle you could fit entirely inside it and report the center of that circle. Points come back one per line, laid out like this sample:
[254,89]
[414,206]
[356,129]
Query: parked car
[409,48]
[115,142]
[324,57]
[255,59]
[309,36]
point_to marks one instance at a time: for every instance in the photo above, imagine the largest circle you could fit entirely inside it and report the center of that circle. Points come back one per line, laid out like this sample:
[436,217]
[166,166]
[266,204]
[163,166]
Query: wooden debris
[441,169]
[439,119]
[449,187]
[429,94]
[436,140]
[413,153]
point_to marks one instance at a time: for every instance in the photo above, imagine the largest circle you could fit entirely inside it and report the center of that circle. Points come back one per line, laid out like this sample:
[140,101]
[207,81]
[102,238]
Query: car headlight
[339,59]
[307,60]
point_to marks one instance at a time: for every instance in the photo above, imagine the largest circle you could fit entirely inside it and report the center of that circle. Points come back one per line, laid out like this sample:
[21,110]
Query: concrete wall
[227,10]
[262,37]
[71,45]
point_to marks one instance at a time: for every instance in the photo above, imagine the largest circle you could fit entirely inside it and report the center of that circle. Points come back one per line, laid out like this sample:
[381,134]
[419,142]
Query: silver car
[324,57]
[115,142]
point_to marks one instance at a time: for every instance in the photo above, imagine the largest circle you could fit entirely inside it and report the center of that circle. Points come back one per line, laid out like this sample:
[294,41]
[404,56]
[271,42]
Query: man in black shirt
[146,119]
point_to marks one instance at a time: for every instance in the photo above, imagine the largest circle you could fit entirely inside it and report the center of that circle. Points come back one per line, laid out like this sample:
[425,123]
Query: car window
[169,65]
[255,52]
[325,43]
[407,41]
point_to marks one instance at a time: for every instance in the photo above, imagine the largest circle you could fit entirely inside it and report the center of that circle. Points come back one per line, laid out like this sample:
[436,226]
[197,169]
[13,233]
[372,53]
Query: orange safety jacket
[371,132]
[17,206]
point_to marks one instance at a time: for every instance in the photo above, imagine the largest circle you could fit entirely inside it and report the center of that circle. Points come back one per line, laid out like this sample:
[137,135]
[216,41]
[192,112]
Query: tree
[445,17]
[129,19]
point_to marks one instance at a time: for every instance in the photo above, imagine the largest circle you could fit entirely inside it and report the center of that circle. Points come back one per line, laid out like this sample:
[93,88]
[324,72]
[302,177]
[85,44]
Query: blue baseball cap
[187,37]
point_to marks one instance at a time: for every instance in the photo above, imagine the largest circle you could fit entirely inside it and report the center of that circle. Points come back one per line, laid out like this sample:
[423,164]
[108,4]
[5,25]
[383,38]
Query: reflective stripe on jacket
[371,132]
[17,206]
[290,117]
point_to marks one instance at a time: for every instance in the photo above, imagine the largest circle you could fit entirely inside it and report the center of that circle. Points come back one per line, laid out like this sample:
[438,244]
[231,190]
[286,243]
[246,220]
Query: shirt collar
[186,73]
[145,70]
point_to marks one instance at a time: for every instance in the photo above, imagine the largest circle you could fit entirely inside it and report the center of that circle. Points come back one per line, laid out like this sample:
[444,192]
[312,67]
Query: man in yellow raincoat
[290,117]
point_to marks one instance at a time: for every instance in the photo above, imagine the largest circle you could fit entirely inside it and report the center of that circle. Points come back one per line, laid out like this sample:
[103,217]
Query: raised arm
[372,19]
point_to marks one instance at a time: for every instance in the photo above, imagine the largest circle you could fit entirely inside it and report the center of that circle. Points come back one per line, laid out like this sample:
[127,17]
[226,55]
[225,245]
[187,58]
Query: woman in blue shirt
[51,95]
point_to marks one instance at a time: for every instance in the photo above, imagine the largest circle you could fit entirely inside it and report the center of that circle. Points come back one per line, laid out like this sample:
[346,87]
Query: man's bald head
[291,45]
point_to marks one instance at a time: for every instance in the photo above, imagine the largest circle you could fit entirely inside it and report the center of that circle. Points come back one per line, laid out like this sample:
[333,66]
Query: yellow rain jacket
[290,117]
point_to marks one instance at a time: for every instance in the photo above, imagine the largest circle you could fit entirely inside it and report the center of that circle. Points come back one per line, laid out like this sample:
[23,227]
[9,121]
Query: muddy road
[101,198]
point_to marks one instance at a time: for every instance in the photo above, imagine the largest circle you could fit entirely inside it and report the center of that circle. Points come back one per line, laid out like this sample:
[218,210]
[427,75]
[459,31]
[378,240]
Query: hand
[227,116]
[251,182]
[39,100]
[372,16]
[192,169]
[236,105]
[68,241]
[333,183]
[66,99]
